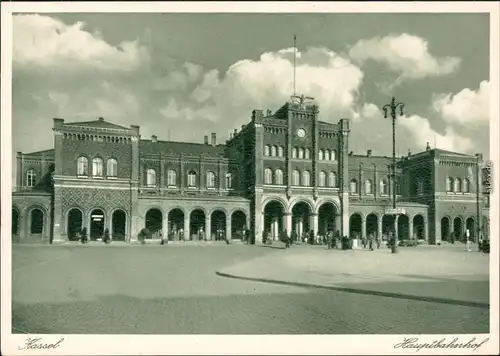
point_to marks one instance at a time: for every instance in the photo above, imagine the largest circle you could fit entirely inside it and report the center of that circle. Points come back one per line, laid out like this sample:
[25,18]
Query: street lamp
[393,106]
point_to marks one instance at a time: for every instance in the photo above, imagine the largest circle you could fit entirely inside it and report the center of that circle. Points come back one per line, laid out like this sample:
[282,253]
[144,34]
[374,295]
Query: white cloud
[468,107]
[43,41]
[404,54]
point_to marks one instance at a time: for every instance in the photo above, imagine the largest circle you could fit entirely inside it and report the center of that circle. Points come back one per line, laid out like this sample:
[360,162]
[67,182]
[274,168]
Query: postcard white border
[266,344]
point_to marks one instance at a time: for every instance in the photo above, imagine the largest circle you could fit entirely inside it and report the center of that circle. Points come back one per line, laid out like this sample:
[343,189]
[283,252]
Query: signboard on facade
[397,211]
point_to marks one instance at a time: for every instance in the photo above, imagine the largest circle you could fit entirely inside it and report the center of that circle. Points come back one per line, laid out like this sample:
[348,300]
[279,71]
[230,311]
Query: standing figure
[84,235]
[370,242]
[105,239]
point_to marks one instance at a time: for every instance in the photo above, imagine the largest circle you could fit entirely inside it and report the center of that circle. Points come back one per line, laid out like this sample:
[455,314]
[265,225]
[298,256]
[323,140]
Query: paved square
[175,290]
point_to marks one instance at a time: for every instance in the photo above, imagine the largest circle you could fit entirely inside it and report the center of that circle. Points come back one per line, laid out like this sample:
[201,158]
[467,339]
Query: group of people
[83,237]
[331,239]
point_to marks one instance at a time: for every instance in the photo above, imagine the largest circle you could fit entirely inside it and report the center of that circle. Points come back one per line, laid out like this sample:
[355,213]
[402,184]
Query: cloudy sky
[191,74]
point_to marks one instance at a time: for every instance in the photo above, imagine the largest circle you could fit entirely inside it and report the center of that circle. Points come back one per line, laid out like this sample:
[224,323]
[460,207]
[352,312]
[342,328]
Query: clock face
[301,133]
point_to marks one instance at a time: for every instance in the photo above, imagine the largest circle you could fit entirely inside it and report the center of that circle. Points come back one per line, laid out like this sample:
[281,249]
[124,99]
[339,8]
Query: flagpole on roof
[294,59]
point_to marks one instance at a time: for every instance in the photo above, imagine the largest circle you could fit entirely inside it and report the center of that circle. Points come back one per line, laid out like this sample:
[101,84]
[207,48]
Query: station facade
[286,170]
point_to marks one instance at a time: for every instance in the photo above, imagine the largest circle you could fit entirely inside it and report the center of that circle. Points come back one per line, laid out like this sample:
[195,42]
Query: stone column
[396,225]
[379,226]
[287,223]
[228,227]
[410,227]
[426,230]
[208,227]
[363,227]
[259,226]
[314,218]
[187,233]
[165,229]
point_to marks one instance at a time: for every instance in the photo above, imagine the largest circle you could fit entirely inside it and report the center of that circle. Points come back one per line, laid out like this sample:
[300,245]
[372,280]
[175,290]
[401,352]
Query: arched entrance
[326,218]
[445,229]
[403,227]
[388,225]
[301,216]
[119,223]
[355,226]
[15,221]
[273,219]
[470,225]
[37,223]
[75,224]
[238,225]
[372,225]
[154,223]
[97,221]
[457,228]
[419,227]
[197,224]
[176,222]
[218,225]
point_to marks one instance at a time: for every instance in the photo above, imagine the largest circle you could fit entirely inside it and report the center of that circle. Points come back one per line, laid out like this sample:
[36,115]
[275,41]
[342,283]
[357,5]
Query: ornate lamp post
[393,107]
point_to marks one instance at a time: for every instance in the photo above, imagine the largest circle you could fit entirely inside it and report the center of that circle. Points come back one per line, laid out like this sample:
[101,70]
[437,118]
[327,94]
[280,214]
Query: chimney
[428,147]
[257,115]
[351,153]
[101,119]
[214,141]
[369,153]
[205,139]
[154,138]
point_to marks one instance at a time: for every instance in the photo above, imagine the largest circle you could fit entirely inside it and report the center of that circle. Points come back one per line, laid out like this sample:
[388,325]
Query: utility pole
[393,106]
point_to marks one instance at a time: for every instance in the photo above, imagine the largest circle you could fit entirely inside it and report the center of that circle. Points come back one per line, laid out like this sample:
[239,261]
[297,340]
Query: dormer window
[30,178]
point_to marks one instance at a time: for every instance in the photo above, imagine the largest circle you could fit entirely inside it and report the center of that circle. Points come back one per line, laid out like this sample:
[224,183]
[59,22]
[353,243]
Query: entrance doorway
[355,226]
[301,216]
[154,223]
[75,224]
[326,219]
[37,222]
[176,224]
[273,219]
[218,225]
[238,225]
[197,224]
[445,229]
[119,223]
[97,221]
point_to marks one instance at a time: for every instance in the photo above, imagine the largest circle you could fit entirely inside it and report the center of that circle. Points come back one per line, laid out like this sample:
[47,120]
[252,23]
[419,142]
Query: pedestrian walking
[105,239]
[370,242]
[84,235]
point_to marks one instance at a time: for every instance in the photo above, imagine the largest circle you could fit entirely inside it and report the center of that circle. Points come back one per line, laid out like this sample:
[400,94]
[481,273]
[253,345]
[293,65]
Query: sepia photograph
[290,171]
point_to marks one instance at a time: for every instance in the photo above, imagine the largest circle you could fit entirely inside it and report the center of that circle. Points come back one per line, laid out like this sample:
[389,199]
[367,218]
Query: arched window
[327,155]
[82,166]
[458,185]
[294,152]
[334,155]
[466,186]
[321,155]
[296,177]
[266,150]
[322,179]
[278,177]
[301,153]
[307,154]
[171,178]
[353,186]
[273,151]
[229,181]
[151,178]
[30,178]
[210,180]
[368,187]
[191,179]
[332,179]
[306,179]
[97,167]
[268,176]
[280,151]
[449,184]
[111,170]
[383,187]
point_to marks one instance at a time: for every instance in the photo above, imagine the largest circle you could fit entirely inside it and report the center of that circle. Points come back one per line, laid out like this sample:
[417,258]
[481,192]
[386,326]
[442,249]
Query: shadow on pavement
[274,247]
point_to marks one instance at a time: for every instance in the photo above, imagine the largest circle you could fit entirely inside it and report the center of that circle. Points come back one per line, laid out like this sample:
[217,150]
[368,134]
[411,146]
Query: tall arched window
[151,178]
[30,178]
[321,155]
[268,176]
[296,177]
[171,178]
[353,186]
[278,177]
[266,150]
[97,167]
[294,152]
[307,153]
[83,166]
[273,151]
[306,179]
[210,180]
[229,181]
[332,179]
[322,179]
[368,187]
[334,155]
[458,185]
[191,179]
[384,187]
[301,153]
[449,184]
[280,151]
[111,170]
[327,155]
[466,186]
